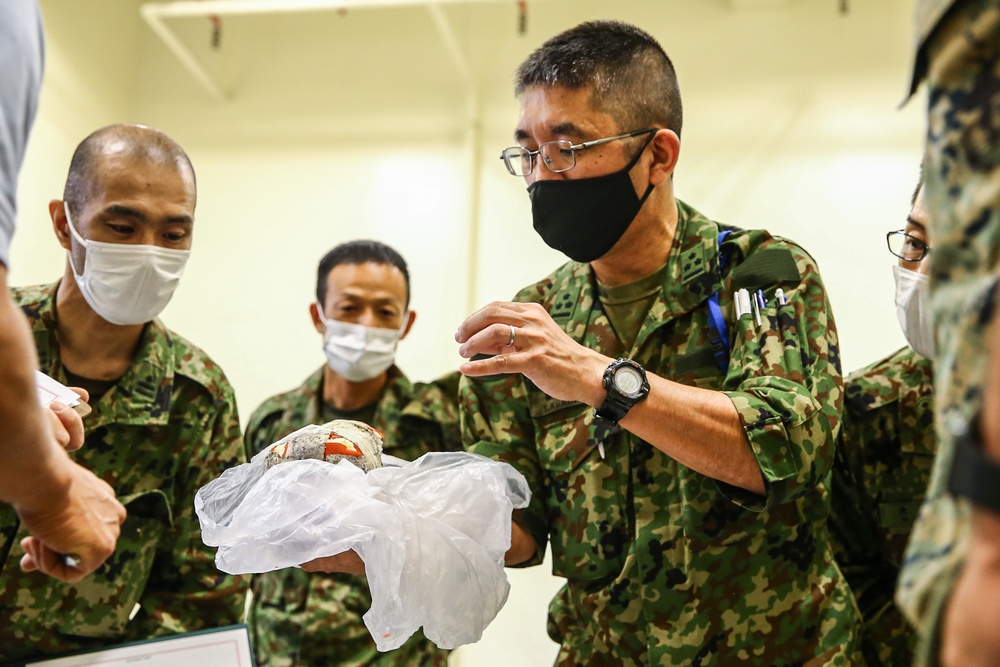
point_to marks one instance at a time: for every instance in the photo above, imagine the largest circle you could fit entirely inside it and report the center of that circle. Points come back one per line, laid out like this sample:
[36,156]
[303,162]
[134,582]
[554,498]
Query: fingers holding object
[495,338]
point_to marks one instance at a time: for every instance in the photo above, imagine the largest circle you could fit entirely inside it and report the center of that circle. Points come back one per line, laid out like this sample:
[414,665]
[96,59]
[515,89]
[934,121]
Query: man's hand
[79,517]
[524,339]
[348,562]
[67,425]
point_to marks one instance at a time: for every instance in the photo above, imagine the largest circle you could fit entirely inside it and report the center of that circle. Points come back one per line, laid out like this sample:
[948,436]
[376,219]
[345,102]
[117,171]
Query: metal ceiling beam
[223,7]
[156,14]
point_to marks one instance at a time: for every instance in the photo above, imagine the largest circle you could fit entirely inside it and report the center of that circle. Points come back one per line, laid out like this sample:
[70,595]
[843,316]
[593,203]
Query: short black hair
[631,76]
[359,252]
[139,142]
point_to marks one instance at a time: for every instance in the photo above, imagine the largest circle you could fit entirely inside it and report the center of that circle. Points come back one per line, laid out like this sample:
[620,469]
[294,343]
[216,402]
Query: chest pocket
[916,432]
[589,527]
[100,605]
[903,494]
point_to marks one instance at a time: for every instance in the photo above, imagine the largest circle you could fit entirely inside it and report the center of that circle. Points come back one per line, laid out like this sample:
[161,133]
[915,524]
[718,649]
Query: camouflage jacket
[168,427]
[884,458]
[962,199]
[927,16]
[666,566]
[301,619]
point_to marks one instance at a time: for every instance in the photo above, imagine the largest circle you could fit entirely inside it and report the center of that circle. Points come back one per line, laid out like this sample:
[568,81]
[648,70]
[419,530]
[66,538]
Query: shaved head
[135,143]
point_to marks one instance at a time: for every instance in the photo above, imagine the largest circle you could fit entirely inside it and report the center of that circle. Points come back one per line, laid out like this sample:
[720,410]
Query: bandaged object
[339,440]
[432,532]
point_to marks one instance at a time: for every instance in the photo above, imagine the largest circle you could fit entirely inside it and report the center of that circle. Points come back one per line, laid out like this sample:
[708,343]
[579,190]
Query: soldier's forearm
[33,461]
[700,429]
[522,545]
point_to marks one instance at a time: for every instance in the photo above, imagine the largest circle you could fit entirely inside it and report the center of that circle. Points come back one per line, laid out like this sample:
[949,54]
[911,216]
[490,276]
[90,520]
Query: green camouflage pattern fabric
[166,429]
[665,566]
[298,619]
[928,14]
[885,453]
[962,197]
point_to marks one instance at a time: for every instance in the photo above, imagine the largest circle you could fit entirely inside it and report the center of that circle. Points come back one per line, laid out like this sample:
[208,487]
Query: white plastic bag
[432,534]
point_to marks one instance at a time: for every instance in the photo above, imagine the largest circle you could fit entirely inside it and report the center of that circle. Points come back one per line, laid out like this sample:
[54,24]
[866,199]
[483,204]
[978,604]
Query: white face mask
[126,283]
[356,352]
[913,310]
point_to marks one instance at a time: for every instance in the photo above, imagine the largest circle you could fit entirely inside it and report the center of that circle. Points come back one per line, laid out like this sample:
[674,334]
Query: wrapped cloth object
[432,532]
[339,440]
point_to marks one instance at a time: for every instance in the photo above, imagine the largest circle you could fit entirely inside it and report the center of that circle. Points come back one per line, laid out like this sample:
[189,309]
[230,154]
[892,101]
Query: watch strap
[614,408]
[974,474]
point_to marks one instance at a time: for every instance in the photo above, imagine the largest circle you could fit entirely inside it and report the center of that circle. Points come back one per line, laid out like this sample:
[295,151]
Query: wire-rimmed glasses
[557,156]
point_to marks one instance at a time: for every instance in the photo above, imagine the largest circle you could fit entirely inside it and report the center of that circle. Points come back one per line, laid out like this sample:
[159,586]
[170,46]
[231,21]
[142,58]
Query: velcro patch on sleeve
[767,267]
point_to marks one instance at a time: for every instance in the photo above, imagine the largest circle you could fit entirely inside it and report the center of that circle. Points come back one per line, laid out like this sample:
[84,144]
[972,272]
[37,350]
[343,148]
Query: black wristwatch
[974,474]
[626,384]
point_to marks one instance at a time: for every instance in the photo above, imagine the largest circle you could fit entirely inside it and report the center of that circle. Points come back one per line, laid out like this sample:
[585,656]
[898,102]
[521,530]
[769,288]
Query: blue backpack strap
[718,332]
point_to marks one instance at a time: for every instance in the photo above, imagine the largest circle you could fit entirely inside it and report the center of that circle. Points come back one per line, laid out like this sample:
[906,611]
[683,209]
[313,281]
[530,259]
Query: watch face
[628,380]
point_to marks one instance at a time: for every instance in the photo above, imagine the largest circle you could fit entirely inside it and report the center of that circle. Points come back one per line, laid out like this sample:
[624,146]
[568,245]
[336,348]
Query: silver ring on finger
[513,332]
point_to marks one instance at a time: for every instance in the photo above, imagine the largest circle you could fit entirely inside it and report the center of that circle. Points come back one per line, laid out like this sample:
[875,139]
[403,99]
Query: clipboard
[228,646]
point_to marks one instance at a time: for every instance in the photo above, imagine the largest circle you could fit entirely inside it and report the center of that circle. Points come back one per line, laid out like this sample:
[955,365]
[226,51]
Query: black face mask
[584,218]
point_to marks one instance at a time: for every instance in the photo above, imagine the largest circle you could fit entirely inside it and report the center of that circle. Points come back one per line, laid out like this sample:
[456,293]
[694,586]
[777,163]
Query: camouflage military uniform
[168,427]
[666,566]
[302,619]
[959,51]
[883,464]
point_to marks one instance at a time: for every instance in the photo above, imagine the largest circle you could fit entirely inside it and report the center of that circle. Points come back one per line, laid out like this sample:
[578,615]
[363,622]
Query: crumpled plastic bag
[432,533]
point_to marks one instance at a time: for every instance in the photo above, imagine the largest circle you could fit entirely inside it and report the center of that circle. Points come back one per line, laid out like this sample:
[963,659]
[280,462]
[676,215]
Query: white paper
[52,390]
[228,647]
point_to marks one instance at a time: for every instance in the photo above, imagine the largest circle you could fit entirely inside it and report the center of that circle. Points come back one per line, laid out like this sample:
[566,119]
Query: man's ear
[666,149]
[317,322]
[410,319]
[57,212]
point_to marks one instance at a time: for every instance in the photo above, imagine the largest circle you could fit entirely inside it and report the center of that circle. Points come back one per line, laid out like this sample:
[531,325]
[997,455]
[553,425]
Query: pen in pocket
[742,300]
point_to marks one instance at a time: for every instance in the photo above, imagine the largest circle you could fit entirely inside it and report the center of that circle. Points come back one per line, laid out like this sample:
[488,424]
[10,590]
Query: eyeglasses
[906,247]
[557,156]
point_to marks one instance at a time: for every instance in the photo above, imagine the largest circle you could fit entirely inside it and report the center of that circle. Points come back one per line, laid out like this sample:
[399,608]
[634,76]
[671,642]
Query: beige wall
[359,124]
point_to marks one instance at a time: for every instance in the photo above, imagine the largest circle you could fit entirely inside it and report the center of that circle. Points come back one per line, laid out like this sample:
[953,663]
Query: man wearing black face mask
[671,395]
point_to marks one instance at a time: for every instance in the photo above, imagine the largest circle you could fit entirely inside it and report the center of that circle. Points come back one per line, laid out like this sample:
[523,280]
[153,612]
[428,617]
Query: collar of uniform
[691,276]
[313,389]
[141,396]
[391,404]
[692,268]
[692,273]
